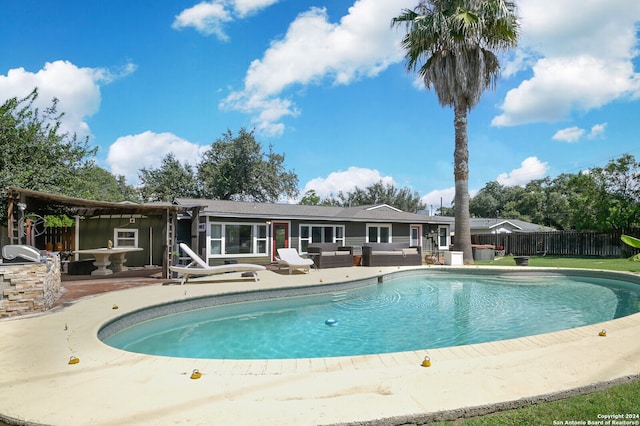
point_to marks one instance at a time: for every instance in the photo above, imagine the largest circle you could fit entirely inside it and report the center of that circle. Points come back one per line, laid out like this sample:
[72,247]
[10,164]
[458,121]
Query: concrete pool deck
[113,387]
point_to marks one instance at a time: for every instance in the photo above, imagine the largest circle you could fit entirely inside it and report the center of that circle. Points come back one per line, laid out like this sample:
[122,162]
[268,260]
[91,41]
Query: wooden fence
[561,243]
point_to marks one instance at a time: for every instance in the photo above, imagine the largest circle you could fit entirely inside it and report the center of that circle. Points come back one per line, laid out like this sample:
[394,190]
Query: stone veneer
[29,287]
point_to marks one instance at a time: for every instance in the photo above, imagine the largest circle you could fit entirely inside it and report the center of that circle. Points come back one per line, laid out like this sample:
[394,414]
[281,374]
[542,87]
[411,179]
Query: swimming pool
[405,312]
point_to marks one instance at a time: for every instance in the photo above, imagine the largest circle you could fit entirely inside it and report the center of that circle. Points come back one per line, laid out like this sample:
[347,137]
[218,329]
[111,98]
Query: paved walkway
[112,387]
[78,287]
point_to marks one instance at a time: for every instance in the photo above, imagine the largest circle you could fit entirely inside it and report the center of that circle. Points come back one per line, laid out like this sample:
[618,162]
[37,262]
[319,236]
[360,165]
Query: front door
[280,237]
[415,235]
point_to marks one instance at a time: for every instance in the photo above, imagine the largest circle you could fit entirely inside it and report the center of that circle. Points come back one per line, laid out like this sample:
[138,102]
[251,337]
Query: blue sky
[324,82]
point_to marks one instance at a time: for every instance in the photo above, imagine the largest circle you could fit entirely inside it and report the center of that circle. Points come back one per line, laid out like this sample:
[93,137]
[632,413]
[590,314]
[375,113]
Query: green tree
[169,181]
[310,198]
[543,201]
[601,199]
[34,154]
[540,202]
[379,193]
[488,201]
[95,183]
[451,43]
[446,211]
[235,168]
[608,198]
[559,202]
[621,180]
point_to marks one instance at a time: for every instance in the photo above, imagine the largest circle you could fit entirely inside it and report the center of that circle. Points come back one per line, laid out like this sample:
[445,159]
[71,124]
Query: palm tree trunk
[462,241]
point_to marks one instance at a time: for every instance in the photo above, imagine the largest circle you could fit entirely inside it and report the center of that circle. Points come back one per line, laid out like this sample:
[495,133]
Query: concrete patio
[113,387]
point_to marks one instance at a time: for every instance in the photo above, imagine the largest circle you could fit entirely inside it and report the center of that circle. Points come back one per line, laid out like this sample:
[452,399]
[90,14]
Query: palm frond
[451,42]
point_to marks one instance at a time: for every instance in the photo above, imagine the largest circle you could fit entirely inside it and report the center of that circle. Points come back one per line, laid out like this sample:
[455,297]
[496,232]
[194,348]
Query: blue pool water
[403,314]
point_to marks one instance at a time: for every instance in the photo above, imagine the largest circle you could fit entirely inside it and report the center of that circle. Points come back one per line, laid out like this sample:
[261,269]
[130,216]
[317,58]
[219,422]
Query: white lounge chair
[200,267]
[289,257]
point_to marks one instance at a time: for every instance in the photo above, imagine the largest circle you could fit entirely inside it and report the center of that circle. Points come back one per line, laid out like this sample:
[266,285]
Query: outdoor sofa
[330,255]
[391,254]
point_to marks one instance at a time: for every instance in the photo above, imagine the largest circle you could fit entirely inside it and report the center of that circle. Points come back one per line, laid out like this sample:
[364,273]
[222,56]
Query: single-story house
[252,232]
[220,231]
[481,225]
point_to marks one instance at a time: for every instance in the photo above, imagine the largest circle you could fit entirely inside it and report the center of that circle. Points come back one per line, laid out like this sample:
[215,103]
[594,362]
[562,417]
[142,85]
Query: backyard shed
[150,226]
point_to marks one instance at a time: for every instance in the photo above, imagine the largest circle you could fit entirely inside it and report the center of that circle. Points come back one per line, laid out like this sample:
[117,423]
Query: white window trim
[223,246]
[116,239]
[387,206]
[419,227]
[340,241]
[379,225]
[448,238]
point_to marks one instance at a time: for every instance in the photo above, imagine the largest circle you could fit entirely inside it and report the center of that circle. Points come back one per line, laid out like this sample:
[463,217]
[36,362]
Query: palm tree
[451,44]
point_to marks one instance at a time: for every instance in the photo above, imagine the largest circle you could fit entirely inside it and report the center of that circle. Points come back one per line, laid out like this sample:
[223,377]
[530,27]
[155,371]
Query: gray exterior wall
[400,233]
[96,232]
[355,235]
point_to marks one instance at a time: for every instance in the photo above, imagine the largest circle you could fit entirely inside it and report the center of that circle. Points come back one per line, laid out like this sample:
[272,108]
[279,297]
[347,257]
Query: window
[415,230]
[379,233]
[261,239]
[125,237]
[237,239]
[215,239]
[320,234]
[442,240]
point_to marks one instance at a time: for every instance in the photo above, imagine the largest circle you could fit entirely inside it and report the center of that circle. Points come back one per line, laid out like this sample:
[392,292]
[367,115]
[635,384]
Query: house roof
[268,211]
[485,223]
[515,225]
[43,201]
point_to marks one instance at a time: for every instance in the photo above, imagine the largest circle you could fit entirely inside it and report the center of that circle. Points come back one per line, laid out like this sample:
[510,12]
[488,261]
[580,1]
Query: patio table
[103,255]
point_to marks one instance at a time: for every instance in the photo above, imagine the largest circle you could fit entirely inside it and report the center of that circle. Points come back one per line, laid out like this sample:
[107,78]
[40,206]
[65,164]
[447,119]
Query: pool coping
[109,386]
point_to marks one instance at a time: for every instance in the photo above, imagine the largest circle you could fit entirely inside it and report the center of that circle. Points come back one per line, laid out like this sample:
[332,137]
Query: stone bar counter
[29,287]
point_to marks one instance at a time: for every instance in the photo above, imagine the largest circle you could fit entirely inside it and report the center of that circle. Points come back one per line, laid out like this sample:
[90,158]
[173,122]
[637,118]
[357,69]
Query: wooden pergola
[20,200]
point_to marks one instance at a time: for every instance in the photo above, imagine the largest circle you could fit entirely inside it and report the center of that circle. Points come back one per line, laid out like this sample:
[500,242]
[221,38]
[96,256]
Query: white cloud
[563,85]
[531,168]
[77,90]
[442,198]
[597,131]
[582,53]
[346,181]
[128,154]
[570,134]
[439,197]
[516,61]
[574,134]
[314,50]
[247,7]
[209,17]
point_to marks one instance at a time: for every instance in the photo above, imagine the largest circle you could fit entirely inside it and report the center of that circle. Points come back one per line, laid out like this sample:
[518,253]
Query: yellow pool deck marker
[114,307]
[603,333]
[426,362]
[74,360]
[196,374]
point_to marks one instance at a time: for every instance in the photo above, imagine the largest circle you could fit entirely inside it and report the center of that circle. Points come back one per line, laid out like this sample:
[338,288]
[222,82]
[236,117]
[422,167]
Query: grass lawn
[620,399]
[611,264]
